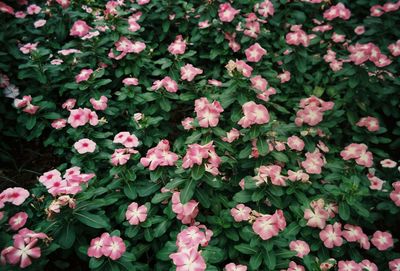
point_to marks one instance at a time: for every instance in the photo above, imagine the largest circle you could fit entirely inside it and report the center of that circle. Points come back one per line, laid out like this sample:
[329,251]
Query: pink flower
[243,68]
[6,8]
[84,146]
[338,11]
[208,113]
[83,75]
[253,114]
[268,226]
[28,48]
[371,123]
[231,136]
[353,151]
[227,13]
[79,29]
[295,143]
[266,8]
[187,123]
[359,30]
[39,23]
[234,267]
[298,36]
[130,81]
[126,139]
[352,233]
[259,83]
[136,214]
[240,213]
[394,48]
[113,247]
[284,77]
[15,196]
[64,3]
[33,9]
[185,212]
[215,82]
[255,52]
[188,260]
[368,266]
[301,247]
[22,252]
[316,218]
[388,163]
[178,47]
[293,266]
[100,104]
[331,235]
[338,37]
[18,14]
[18,220]
[348,266]
[394,265]
[121,156]
[204,24]
[143,2]
[59,123]
[77,117]
[188,72]
[169,84]
[159,156]
[382,240]
[96,245]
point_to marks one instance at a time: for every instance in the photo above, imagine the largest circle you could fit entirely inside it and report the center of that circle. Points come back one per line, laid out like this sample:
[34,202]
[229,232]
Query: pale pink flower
[64,3]
[388,163]
[208,113]
[382,240]
[227,13]
[178,47]
[394,265]
[235,267]
[394,48]
[243,68]
[100,104]
[293,266]
[188,72]
[295,143]
[301,247]
[15,196]
[85,145]
[259,83]
[159,156]
[265,8]
[359,30]
[39,23]
[348,266]
[21,252]
[169,84]
[80,28]
[316,218]
[187,123]
[18,220]
[121,156]
[59,123]
[96,245]
[185,212]
[33,9]
[136,214]
[188,260]
[204,24]
[113,247]
[337,11]
[231,136]
[215,82]
[255,52]
[284,77]
[143,2]
[83,75]
[240,213]
[338,37]
[368,266]
[331,235]
[126,139]
[130,81]
[28,48]
[268,226]
[352,233]
[19,14]
[371,123]
[253,114]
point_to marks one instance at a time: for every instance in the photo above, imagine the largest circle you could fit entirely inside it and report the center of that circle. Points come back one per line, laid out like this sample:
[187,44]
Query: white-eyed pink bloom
[316,218]
[113,247]
[59,123]
[80,28]
[293,266]
[207,113]
[188,72]
[231,136]
[348,266]
[371,123]
[255,52]
[301,247]
[100,104]
[130,81]
[235,267]
[21,252]
[331,235]
[394,265]
[136,214]
[227,13]
[253,114]
[240,213]
[337,11]
[18,220]
[85,145]
[83,75]
[295,143]
[178,47]
[259,83]
[382,240]
[159,156]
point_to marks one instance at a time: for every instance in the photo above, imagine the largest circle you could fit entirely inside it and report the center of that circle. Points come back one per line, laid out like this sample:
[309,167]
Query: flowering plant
[203,135]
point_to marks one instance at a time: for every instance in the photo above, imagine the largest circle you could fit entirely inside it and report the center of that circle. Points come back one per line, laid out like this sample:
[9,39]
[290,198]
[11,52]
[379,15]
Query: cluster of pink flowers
[136,214]
[82,116]
[70,183]
[124,46]
[188,72]
[312,110]
[252,26]
[112,247]
[272,173]
[395,194]
[268,226]
[188,257]
[25,103]
[28,48]
[337,11]
[376,182]
[352,265]
[360,53]
[330,58]
[297,36]
[359,152]
[319,213]
[233,44]
[121,156]
[227,13]
[167,82]
[187,212]
[195,154]
[56,204]
[379,10]
[207,113]
[159,156]
[132,21]
[178,47]
[255,52]
[314,162]
[23,249]
[259,83]
[253,114]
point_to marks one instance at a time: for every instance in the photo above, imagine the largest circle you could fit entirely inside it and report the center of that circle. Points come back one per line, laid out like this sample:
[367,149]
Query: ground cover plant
[200,135]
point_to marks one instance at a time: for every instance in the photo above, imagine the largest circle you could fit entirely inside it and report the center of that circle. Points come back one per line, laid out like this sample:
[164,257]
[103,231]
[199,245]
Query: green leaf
[246,249]
[344,211]
[147,188]
[197,172]
[281,157]
[242,196]
[161,228]
[66,238]
[188,191]
[159,197]
[130,191]
[262,146]
[95,263]
[30,122]
[93,220]
[270,259]
[255,261]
